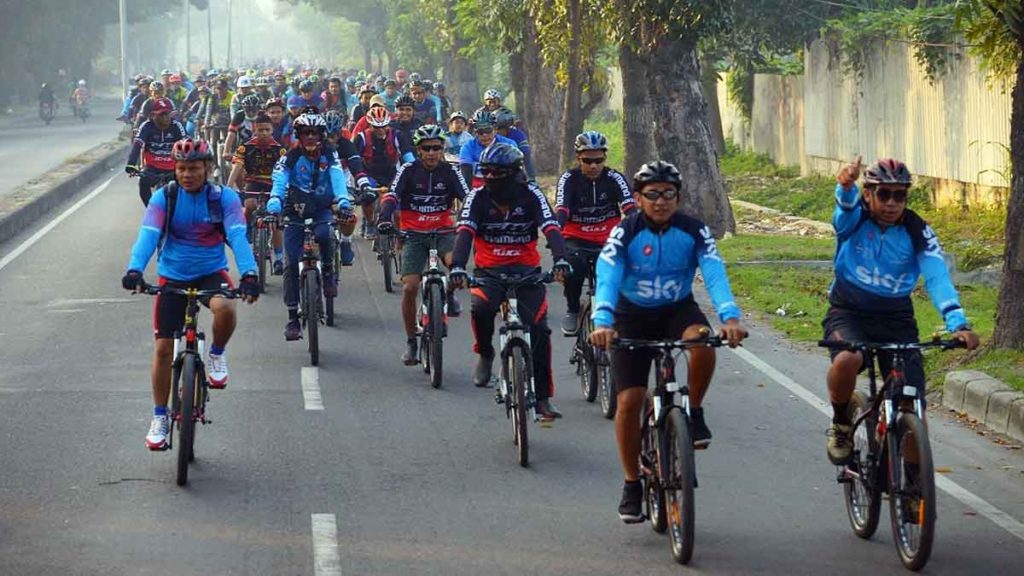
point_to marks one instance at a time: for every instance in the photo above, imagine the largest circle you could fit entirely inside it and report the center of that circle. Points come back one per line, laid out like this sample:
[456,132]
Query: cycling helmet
[175,78]
[657,171]
[81,82]
[417,84]
[414,77]
[334,121]
[427,132]
[390,83]
[250,104]
[305,86]
[251,72]
[501,155]
[314,79]
[458,114]
[273,102]
[166,72]
[243,82]
[378,117]
[309,121]
[156,85]
[350,81]
[887,171]
[590,140]
[428,85]
[367,87]
[262,81]
[404,102]
[483,119]
[438,86]
[188,150]
[296,102]
[492,94]
[161,106]
[504,118]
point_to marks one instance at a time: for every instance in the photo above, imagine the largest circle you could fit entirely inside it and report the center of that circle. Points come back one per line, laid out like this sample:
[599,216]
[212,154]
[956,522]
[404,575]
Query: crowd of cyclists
[314,147]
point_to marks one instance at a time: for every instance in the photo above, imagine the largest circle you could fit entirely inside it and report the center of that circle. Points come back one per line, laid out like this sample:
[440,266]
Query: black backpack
[213,206]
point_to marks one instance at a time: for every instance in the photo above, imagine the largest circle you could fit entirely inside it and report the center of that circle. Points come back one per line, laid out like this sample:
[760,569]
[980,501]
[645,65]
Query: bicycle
[667,466]
[592,365]
[264,226]
[384,246]
[433,320]
[890,425]
[311,293]
[189,387]
[515,389]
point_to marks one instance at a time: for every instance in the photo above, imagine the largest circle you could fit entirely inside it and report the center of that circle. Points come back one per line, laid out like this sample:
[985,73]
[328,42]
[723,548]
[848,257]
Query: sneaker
[546,409]
[454,307]
[293,330]
[840,443]
[330,285]
[570,323]
[411,355]
[631,505]
[482,373]
[278,268]
[347,255]
[699,429]
[370,233]
[156,439]
[217,371]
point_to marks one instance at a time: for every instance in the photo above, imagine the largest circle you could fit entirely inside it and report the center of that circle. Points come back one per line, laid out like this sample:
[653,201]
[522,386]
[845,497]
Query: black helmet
[887,171]
[404,102]
[501,155]
[657,171]
[504,118]
[427,132]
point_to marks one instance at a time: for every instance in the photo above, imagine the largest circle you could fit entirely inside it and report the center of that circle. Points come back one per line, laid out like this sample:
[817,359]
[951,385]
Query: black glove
[132,170]
[458,277]
[250,286]
[132,281]
[385,227]
[562,265]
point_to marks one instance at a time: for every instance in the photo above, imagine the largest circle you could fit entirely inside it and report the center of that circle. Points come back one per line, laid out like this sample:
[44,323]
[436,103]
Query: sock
[411,340]
[216,350]
[632,483]
[841,413]
[696,412]
[346,238]
[293,313]
[160,411]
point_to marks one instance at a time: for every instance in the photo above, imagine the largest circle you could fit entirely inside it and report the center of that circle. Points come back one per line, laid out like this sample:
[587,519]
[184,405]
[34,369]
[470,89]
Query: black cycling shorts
[169,309]
[630,368]
[859,327]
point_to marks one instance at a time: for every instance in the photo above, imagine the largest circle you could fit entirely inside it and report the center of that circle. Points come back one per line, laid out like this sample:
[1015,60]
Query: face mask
[502,191]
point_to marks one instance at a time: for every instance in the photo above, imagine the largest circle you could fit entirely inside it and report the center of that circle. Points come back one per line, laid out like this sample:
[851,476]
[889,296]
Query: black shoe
[631,506]
[699,429]
[570,323]
[546,409]
[411,355]
[482,373]
[293,330]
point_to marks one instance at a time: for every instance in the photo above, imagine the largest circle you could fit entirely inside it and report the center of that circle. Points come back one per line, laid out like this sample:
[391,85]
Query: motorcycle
[46,111]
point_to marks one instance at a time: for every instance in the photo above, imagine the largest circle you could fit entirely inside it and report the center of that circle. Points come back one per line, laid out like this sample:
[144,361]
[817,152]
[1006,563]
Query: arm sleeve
[136,151]
[626,202]
[562,199]
[549,225]
[461,188]
[712,268]
[236,121]
[338,183]
[390,200]
[847,213]
[234,228]
[280,178]
[465,232]
[937,282]
[149,231]
[611,267]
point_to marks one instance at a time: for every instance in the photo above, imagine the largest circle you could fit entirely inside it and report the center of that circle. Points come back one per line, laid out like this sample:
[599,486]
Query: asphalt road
[28,147]
[393,477]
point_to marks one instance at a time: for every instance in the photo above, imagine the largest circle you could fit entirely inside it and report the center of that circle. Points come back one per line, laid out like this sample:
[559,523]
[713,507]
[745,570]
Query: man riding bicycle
[382,153]
[308,181]
[424,191]
[588,201]
[882,248]
[645,290]
[484,127]
[188,223]
[155,140]
[500,221]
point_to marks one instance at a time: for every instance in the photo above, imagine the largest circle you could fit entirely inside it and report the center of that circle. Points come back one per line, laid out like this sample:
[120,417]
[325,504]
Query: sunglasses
[883,195]
[432,148]
[592,161]
[495,173]
[483,130]
[667,194]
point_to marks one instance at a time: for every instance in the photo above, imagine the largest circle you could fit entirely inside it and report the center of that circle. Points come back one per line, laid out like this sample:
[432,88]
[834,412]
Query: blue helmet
[482,119]
[591,140]
[335,121]
[501,155]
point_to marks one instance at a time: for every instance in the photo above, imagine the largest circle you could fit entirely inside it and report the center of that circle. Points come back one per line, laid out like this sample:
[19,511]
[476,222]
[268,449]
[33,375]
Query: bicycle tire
[679,487]
[518,377]
[606,388]
[262,245]
[311,309]
[436,351]
[902,509]
[862,495]
[186,424]
[387,261]
[654,494]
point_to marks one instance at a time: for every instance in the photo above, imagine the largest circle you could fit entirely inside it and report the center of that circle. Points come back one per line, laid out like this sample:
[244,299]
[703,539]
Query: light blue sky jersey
[876,269]
[471,151]
[454,142]
[295,170]
[193,247]
[653,269]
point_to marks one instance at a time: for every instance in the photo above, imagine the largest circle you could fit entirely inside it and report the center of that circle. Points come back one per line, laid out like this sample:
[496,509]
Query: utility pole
[188,36]
[231,3]
[124,64]
[209,31]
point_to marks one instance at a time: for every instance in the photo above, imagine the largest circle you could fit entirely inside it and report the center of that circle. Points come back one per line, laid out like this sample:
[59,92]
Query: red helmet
[378,117]
[187,150]
[887,171]
[161,106]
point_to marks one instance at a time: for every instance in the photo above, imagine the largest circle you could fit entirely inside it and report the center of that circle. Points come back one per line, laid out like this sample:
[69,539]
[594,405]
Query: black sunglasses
[495,172]
[432,148]
[884,195]
[593,160]
[483,130]
[668,194]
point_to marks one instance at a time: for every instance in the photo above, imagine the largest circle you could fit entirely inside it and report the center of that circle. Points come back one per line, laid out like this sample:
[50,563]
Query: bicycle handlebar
[229,293]
[516,281]
[428,234]
[708,341]
[935,342]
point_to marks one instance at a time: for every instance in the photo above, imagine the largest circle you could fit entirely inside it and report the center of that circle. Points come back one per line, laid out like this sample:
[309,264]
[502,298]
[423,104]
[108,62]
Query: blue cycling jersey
[655,268]
[317,183]
[194,246]
[876,269]
[472,149]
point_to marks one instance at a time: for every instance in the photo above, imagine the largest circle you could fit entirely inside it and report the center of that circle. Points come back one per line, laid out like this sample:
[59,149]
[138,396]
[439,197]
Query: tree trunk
[1009,331]
[517,76]
[542,106]
[572,119]
[637,115]
[367,57]
[462,87]
[709,80]
[681,132]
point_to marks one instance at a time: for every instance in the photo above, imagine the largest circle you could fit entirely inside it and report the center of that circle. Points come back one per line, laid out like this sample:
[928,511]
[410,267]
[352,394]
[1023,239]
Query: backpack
[213,206]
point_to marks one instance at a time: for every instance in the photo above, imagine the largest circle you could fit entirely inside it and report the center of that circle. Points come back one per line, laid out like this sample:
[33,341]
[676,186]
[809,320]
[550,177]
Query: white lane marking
[311,388]
[53,224]
[983,507]
[326,561]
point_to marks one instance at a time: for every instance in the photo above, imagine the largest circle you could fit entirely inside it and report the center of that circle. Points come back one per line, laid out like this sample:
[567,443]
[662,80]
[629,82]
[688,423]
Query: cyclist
[444,103]
[241,127]
[645,290]
[333,98]
[424,192]
[281,121]
[381,153]
[175,91]
[189,242]
[484,136]
[139,99]
[505,124]
[156,91]
[218,112]
[390,93]
[263,84]
[457,133]
[366,92]
[80,97]
[310,97]
[424,108]
[243,87]
[882,248]
[352,163]
[308,181]
[500,221]
[155,142]
[405,121]
[251,173]
[588,201]
[492,100]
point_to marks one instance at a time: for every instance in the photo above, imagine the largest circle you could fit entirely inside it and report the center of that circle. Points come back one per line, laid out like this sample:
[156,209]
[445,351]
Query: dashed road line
[311,388]
[326,561]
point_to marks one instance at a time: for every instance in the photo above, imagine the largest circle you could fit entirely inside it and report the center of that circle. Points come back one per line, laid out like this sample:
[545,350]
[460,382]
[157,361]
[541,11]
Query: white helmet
[81,82]
[243,82]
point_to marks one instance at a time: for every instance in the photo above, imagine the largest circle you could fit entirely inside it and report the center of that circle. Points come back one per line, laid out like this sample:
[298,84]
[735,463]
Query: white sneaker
[157,438]
[217,371]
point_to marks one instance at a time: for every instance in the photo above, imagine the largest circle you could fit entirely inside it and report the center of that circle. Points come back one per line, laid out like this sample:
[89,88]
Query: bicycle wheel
[311,309]
[262,252]
[436,351]
[605,386]
[911,490]
[654,494]
[387,260]
[681,470]
[518,379]
[862,494]
[186,423]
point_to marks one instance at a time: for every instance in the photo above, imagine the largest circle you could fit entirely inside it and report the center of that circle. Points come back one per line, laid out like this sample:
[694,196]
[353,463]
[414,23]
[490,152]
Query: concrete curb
[986,400]
[29,202]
